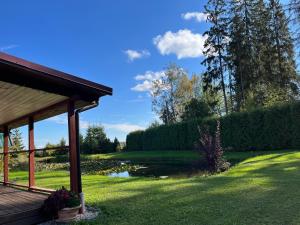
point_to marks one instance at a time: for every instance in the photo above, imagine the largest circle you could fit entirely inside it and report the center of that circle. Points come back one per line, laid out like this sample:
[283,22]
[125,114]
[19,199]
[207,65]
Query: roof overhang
[28,89]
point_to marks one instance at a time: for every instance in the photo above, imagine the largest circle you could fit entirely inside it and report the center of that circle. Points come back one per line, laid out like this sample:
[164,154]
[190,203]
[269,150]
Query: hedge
[271,128]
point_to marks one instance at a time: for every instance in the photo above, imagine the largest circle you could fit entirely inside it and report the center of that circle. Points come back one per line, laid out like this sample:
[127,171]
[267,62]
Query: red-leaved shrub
[210,146]
[58,200]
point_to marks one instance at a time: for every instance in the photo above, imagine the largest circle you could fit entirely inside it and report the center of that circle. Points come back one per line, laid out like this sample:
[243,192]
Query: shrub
[272,128]
[134,141]
[211,147]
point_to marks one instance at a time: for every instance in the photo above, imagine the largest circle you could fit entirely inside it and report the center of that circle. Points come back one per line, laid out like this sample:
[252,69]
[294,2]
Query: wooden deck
[19,207]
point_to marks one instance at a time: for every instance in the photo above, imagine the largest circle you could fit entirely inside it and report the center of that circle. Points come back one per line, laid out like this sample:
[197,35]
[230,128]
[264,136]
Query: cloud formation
[198,16]
[133,54]
[123,127]
[146,80]
[84,124]
[62,120]
[183,43]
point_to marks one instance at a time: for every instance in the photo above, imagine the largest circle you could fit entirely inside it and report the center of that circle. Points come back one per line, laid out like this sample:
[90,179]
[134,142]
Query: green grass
[159,156]
[147,155]
[169,156]
[262,188]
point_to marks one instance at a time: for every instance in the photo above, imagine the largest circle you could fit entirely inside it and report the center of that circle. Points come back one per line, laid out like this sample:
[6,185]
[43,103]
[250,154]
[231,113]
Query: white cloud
[198,16]
[7,47]
[84,124]
[144,86]
[184,44]
[150,75]
[62,120]
[123,127]
[59,119]
[133,54]
[146,80]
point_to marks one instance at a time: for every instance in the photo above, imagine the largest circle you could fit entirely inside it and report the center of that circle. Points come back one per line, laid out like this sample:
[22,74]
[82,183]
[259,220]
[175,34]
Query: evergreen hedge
[271,128]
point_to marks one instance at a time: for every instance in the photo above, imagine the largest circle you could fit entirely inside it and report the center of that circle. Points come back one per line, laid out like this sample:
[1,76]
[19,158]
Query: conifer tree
[215,47]
[241,50]
[116,145]
[294,9]
[17,141]
[283,55]
[261,34]
[262,54]
[250,51]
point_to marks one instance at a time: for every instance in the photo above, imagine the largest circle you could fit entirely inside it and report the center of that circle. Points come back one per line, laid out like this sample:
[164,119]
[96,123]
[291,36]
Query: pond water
[119,174]
[161,170]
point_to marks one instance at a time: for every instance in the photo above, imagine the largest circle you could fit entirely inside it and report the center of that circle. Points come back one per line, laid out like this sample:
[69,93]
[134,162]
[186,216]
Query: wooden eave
[31,90]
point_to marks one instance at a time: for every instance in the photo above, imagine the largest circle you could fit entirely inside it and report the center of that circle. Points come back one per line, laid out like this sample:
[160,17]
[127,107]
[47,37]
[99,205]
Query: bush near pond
[274,128]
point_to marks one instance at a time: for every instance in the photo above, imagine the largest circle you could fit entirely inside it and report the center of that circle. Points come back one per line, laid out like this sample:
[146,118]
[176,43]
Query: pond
[158,168]
[119,174]
[161,170]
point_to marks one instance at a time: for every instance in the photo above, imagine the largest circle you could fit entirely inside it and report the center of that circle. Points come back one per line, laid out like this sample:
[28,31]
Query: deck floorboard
[18,206]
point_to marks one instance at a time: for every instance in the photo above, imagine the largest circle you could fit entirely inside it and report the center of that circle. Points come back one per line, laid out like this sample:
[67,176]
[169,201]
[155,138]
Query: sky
[121,44]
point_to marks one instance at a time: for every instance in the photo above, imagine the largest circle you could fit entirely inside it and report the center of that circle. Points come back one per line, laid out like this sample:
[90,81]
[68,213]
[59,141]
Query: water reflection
[120,174]
[161,170]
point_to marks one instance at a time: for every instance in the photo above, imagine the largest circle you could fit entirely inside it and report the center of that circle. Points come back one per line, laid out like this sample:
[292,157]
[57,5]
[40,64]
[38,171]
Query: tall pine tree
[215,48]
[283,55]
[261,54]
[241,50]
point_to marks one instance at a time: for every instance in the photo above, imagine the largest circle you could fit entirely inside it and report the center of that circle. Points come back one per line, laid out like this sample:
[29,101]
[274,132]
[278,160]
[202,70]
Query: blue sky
[109,42]
[118,43]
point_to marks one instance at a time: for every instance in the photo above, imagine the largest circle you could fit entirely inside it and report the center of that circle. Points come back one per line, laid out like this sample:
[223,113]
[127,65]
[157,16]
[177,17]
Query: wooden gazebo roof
[30,89]
[28,93]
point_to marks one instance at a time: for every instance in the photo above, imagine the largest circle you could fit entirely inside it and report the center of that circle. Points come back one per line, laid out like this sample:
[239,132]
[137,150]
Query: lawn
[148,156]
[261,188]
[233,157]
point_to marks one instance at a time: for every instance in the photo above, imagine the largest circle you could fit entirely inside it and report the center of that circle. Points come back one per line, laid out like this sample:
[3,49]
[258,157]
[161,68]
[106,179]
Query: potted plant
[62,205]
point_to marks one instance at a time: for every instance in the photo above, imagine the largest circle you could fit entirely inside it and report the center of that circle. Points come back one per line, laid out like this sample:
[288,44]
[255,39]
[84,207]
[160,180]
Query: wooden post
[31,152]
[73,147]
[5,155]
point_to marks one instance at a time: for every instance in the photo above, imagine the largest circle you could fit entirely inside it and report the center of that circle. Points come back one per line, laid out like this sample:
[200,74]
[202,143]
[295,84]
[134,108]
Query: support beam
[5,155]
[73,137]
[81,195]
[78,154]
[31,152]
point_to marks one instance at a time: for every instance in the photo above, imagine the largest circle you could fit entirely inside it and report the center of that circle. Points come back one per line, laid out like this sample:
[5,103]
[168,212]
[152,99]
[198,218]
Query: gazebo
[29,93]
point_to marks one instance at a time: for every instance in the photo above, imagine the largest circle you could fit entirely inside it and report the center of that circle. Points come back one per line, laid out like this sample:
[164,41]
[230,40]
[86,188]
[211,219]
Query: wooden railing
[66,148]
[31,167]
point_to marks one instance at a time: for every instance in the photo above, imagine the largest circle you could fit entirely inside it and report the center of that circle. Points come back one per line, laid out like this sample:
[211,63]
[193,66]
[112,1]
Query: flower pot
[68,214]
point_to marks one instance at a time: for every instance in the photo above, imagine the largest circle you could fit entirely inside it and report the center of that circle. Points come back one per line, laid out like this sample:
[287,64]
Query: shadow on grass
[265,192]
[238,157]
